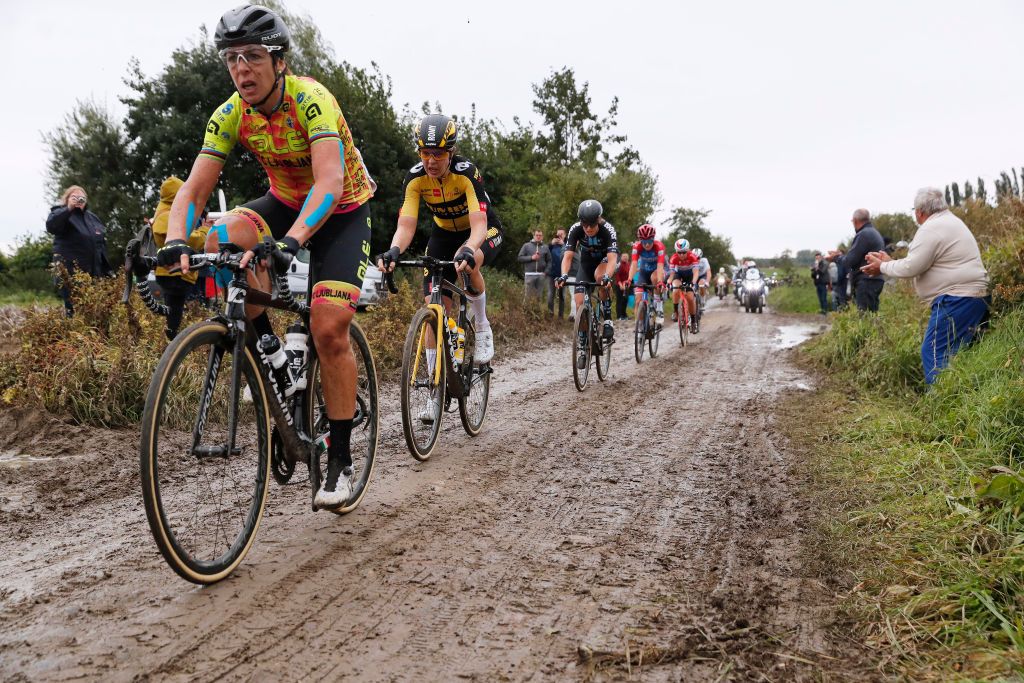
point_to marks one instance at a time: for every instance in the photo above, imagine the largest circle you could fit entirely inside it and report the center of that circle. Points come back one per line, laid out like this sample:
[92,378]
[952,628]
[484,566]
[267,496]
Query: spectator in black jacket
[78,239]
[819,276]
[866,288]
[841,283]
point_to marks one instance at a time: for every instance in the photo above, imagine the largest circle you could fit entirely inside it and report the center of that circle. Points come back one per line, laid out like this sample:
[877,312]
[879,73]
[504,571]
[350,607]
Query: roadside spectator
[840,288]
[78,239]
[819,276]
[949,276]
[866,288]
[536,258]
[623,288]
[555,251]
[174,286]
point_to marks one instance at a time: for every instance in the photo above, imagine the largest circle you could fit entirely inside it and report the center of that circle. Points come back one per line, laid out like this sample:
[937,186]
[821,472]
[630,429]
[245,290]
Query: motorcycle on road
[721,287]
[754,291]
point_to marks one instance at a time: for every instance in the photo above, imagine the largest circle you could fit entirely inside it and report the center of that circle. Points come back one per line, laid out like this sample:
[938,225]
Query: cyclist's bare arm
[328,186]
[477,234]
[404,233]
[191,199]
[566,264]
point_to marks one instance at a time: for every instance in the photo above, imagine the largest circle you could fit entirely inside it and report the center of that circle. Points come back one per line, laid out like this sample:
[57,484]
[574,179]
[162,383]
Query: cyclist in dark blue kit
[595,239]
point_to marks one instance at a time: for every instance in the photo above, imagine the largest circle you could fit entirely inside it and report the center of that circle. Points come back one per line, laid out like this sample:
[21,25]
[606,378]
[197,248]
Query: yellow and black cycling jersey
[449,199]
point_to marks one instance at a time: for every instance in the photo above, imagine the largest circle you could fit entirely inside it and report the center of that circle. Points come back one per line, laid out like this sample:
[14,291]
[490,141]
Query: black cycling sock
[341,432]
[606,308]
[261,324]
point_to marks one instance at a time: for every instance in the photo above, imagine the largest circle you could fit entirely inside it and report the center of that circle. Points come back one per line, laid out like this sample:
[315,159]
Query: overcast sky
[780,117]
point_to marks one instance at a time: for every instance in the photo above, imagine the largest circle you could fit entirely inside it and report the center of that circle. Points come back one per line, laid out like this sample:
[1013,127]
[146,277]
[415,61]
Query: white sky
[781,117]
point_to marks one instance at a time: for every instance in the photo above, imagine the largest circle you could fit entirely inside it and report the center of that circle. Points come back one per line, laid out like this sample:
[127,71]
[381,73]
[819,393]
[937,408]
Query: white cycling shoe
[430,410]
[335,490]
[484,351]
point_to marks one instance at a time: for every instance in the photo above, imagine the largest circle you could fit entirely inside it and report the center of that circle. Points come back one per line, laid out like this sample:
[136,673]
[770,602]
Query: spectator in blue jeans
[556,248]
[945,263]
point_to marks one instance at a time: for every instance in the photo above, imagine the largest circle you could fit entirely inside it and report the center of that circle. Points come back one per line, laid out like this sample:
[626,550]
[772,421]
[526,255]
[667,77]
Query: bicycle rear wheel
[604,359]
[581,348]
[682,319]
[204,503]
[423,382]
[365,422]
[473,404]
[640,334]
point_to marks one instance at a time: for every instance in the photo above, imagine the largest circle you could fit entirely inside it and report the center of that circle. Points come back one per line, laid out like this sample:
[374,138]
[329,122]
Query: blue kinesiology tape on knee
[221,231]
[321,211]
[190,219]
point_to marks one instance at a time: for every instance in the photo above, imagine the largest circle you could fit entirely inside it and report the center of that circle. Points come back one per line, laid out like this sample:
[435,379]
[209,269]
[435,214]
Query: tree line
[535,175]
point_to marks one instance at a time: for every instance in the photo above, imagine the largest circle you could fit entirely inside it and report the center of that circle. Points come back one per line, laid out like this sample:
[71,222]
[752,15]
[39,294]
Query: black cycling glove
[388,257]
[282,254]
[466,254]
[169,255]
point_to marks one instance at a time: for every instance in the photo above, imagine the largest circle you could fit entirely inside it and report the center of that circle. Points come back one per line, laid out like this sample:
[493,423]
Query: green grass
[25,297]
[799,297]
[927,491]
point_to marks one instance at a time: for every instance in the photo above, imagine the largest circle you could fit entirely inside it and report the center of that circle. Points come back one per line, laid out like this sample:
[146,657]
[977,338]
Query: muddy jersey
[604,242]
[282,142]
[648,260]
[451,198]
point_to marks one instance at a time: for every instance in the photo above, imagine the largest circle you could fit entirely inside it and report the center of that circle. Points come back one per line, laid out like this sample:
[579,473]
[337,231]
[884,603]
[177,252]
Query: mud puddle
[790,336]
[601,535]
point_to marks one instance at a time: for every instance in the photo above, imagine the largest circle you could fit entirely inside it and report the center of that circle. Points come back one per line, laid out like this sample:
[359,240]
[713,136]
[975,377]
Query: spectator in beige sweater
[945,263]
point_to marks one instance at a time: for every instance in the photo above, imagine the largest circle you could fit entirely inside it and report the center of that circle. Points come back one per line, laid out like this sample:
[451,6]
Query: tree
[949,199]
[956,195]
[982,193]
[689,223]
[572,132]
[968,191]
[895,226]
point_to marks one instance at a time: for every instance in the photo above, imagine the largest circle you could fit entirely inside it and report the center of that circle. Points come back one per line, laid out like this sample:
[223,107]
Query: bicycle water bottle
[453,339]
[278,360]
[460,344]
[296,346]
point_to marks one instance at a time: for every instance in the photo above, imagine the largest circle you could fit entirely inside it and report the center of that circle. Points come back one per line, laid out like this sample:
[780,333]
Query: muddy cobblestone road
[606,535]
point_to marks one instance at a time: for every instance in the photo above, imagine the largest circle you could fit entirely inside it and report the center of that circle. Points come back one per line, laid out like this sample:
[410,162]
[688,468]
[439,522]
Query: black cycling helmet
[590,210]
[436,131]
[251,25]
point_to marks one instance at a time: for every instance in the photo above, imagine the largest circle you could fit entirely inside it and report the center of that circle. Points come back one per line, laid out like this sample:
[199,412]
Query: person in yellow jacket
[175,286]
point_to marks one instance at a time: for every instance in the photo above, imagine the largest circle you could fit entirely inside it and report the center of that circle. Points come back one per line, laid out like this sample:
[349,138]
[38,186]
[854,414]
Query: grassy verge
[95,367]
[799,297]
[924,490]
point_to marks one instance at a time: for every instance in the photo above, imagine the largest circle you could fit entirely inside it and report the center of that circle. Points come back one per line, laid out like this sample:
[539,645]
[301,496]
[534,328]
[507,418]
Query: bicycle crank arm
[206,452]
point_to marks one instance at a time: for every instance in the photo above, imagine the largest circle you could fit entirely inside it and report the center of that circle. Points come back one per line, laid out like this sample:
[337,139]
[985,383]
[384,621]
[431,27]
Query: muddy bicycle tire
[603,362]
[655,339]
[640,333]
[473,405]
[683,321]
[179,487]
[580,375]
[366,422]
[421,444]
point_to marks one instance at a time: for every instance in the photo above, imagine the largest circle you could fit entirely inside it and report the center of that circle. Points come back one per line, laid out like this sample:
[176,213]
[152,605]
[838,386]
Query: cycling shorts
[339,252]
[586,269]
[444,244]
[684,274]
[643,277]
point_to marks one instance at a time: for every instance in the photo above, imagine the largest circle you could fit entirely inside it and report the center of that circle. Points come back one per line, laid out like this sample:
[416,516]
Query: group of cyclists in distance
[319,190]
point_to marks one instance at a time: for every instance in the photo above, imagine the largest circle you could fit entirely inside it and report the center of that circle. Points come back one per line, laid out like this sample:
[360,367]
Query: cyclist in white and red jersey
[684,264]
[648,263]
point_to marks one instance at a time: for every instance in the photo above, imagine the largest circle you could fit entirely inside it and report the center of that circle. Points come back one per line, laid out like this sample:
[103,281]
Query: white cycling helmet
[722,269]
[682,245]
[699,252]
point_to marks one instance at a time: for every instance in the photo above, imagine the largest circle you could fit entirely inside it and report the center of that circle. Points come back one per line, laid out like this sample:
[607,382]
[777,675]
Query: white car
[298,279]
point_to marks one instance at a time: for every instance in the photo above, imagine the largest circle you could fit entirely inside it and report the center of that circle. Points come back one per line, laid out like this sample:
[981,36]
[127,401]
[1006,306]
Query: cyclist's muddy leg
[329,324]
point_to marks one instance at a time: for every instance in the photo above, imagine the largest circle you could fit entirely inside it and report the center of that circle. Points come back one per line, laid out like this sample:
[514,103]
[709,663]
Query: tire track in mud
[649,509]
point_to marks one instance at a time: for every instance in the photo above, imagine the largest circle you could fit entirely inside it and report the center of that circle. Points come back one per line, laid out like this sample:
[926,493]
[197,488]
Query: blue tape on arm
[341,150]
[321,210]
[190,219]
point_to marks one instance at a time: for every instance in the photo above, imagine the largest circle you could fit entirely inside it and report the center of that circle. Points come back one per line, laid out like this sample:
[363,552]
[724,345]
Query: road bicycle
[208,446]
[681,311]
[437,362]
[648,331]
[588,340]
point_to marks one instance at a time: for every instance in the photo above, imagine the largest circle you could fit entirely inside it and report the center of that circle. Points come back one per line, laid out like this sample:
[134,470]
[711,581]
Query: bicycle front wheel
[423,382]
[640,334]
[203,498]
[581,349]
[652,343]
[365,422]
[473,405]
[604,360]
[682,319]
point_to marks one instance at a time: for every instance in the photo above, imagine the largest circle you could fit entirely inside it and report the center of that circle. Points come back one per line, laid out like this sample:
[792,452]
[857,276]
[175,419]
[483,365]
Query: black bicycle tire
[175,556]
[640,332]
[422,454]
[582,325]
[652,343]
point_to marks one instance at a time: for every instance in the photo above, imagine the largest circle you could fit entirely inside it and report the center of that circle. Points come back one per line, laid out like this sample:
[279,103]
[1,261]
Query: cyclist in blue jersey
[648,265]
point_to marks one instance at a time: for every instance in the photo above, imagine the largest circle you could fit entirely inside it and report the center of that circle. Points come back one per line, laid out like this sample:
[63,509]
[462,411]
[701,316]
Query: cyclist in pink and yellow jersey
[318,194]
